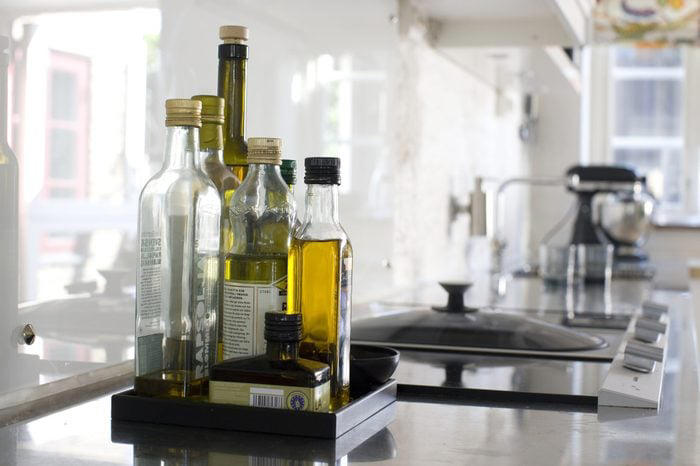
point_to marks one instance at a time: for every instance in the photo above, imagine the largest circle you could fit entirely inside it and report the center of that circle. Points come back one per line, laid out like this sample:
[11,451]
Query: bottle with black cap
[277,379]
[320,276]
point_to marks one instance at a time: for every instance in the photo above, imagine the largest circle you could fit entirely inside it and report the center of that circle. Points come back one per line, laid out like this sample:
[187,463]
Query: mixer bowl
[626,217]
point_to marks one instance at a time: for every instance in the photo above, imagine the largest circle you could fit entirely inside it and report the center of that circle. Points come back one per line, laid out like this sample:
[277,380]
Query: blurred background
[415,107]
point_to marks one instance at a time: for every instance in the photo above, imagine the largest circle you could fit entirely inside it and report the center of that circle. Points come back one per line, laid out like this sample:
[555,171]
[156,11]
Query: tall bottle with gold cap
[233,60]
[178,265]
[262,214]
[211,145]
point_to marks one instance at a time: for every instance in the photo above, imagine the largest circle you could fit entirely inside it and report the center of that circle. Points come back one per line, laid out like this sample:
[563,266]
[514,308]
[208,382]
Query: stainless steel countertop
[420,433]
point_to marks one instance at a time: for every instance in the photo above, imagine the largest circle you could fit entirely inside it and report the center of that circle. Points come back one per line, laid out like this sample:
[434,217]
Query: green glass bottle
[262,215]
[288,169]
[211,145]
[233,60]
[277,379]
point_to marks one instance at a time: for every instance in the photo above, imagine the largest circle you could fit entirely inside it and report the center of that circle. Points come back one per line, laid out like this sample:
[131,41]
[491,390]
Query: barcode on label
[266,398]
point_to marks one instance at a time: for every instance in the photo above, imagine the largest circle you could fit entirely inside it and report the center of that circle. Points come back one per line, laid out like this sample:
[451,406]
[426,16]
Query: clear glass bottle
[320,276]
[178,266]
[233,65]
[262,214]
[277,379]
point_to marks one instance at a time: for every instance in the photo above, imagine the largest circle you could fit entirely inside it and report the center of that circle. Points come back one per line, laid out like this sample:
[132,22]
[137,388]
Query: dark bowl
[371,366]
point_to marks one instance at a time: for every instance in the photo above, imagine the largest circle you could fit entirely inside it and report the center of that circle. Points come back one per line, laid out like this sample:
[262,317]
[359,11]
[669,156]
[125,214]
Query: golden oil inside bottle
[239,170]
[173,383]
[316,271]
[259,269]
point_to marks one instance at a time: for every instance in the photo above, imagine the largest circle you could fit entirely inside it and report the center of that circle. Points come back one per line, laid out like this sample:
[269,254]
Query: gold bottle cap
[233,34]
[265,150]
[212,108]
[183,112]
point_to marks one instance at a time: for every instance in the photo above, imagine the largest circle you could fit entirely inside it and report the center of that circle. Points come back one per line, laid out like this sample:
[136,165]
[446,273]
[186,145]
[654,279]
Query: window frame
[600,76]
[79,66]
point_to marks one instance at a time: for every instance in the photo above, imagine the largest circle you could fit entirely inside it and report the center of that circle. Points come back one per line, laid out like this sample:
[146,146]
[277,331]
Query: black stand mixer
[613,207]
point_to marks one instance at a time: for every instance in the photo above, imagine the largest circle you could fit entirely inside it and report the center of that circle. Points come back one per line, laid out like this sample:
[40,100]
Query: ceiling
[484,9]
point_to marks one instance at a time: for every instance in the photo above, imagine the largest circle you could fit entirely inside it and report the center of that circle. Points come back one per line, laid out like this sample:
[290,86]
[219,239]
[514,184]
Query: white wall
[555,149]
[450,127]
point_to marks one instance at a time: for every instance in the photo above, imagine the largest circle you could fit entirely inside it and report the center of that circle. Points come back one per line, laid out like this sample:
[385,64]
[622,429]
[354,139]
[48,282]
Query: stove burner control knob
[652,310]
[638,364]
[455,300]
[648,331]
[641,357]
[644,350]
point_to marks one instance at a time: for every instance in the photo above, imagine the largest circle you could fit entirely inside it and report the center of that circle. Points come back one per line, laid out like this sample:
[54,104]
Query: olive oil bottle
[320,276]
[211,147]
[178,266]
[233,64]
[277,379]
[261,215]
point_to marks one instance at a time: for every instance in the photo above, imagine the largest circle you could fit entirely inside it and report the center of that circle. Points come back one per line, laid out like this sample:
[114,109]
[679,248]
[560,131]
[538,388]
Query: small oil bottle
[279,378]
[320,276]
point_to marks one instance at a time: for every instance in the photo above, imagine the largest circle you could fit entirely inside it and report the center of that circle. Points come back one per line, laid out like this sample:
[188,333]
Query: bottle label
[150,284]
[245,306]
[271,396]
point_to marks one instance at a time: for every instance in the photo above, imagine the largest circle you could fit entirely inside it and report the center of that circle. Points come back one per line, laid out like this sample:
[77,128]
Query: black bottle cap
[233,51]
[288,169]
[283,327]
[322,170]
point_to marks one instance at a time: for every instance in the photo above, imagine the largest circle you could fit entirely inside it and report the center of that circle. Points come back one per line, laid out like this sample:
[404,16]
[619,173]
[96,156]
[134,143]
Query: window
[67,126]
[646,118]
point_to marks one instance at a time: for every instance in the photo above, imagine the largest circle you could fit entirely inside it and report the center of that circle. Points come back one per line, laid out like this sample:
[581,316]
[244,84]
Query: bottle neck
[211,137]
[321,204]
[282,350]
[181,147]
[232,87]
[259,171]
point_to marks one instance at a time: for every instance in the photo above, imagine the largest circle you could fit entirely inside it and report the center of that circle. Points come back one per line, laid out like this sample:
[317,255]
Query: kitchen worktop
[408,432]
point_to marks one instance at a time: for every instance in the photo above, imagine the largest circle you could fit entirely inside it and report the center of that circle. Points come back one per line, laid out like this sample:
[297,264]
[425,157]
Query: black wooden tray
[127,406]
